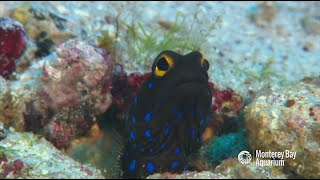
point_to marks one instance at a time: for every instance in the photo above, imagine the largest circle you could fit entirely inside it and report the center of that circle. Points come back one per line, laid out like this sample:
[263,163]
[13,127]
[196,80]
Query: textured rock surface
[188,175]
[228,169]
[60,96]
[287,118]
[24,155]
[233,169]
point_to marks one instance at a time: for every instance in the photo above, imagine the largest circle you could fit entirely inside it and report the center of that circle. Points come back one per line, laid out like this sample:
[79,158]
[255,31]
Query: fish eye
[205,64]
[163,65]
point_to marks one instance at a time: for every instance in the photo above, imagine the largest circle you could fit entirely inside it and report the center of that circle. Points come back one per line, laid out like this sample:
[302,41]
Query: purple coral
[74,87]
[13,42]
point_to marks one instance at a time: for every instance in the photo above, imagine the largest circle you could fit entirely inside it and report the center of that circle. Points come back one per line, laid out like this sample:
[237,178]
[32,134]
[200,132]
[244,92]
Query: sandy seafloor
[238,48]
[244,46]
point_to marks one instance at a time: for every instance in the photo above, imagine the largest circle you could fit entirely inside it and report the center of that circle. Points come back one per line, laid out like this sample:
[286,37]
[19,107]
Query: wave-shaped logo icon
[244,157]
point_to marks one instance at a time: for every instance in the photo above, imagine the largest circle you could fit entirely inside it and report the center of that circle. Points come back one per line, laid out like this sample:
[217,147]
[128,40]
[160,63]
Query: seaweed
[144,41]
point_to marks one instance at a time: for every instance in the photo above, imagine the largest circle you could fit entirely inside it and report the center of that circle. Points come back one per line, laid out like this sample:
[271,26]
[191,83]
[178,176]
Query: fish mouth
[191,82]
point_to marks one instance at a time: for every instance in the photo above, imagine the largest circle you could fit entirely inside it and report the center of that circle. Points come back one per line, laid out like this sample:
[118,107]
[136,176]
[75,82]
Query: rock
[287,118]
[228,169]
[235,170]
[24,155]
[46,28]
[60,96]
[311,24]
[263,13]
[188,175]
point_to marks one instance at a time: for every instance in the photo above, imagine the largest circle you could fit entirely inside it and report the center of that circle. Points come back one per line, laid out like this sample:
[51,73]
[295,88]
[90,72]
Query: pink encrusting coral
[74,87]
[13,42]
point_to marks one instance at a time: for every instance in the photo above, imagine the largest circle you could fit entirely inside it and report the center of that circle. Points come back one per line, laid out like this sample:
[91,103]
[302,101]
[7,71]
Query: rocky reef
[287,118]
[25,155]
[228,169]
[64,95]
[69,73]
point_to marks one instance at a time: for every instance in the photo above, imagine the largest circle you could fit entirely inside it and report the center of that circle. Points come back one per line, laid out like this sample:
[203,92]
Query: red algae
[13,42]
[18,164]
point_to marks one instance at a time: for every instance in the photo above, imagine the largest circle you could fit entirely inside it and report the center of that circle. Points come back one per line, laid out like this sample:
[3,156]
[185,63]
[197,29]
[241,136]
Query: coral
[225,99]
[60,96]
[275,124]
[24,155]
[223,147]
[13,42]
[70,94]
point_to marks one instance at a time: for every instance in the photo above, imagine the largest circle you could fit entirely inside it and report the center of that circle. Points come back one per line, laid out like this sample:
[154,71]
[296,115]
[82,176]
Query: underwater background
[70,71]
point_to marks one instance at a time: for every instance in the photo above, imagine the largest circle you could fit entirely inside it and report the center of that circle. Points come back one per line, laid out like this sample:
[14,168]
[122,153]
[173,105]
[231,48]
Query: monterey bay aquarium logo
[266,158]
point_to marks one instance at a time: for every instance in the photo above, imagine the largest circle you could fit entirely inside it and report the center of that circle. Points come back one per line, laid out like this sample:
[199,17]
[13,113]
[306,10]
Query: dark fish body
[168,116]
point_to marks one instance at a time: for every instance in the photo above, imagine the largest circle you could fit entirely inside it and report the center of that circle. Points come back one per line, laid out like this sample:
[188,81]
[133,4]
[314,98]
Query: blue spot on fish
[132,135]
[166,132]
[185,167]
[136,100]
[202,122]
[193,132]
[147,117]
[177,151]
[192,115]
[163,145]
[174,110]
[132,165]
[174,164]
[126,154]
[179,115]
[147,133]
[153,140]
[133,119]
[127,118]
[150,167]
[149,85]
[151,150]
[142,149]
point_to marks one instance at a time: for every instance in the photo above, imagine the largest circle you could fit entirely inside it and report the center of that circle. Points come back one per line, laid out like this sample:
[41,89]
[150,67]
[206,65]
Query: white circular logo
[244,157]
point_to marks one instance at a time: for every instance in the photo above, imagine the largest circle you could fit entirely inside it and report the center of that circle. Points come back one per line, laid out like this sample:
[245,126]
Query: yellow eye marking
[202,60]
[159,72]
[164,64]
